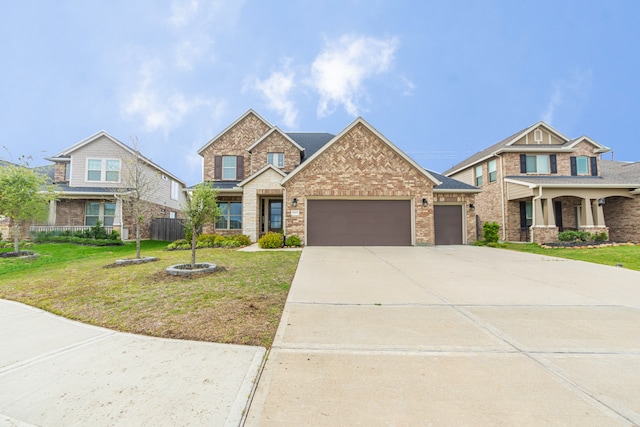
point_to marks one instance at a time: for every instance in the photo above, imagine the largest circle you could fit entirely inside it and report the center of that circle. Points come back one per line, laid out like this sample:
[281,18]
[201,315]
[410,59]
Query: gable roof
[242,117]
[275,129]
[363,122]
[452,185]
[507,145]
[65,155]
[260,172]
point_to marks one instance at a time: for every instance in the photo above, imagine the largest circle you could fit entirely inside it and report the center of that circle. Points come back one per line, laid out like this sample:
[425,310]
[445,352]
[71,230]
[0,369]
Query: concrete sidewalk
[453,336]
[56,372]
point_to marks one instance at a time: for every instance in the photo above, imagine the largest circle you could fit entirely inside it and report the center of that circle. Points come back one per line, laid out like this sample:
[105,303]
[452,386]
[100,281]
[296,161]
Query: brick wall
[621,216]
[59,174]
[360,165]
[275,143]
[234,142]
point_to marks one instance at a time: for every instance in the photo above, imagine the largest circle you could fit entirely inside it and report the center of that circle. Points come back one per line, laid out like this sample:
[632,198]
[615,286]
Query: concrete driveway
[453,336]
[56,372]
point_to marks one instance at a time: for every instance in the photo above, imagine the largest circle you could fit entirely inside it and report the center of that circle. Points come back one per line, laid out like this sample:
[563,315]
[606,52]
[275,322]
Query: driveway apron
[453,335]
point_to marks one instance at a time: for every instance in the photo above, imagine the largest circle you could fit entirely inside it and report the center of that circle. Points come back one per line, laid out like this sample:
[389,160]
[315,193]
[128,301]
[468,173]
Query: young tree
[201,207]
[24,196]
[139,185]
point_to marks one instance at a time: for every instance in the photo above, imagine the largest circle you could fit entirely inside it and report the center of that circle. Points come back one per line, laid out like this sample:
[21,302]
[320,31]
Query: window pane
[109,209]
[492,171]
[222,221]
[93,208]
[228,167]
[95,164]
[91,221]
[478,176]
[543,163]
[113,165]
[236,208]
[93,176]
[235,222]
[582,162]
[531,164]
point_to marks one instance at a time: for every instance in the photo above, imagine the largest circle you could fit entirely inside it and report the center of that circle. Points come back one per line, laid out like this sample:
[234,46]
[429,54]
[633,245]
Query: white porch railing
[61,228]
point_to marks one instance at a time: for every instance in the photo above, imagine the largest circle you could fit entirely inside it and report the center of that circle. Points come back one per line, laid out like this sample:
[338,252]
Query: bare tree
[139,184]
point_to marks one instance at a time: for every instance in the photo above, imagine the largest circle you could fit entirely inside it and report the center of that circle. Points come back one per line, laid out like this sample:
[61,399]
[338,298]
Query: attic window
[276,159]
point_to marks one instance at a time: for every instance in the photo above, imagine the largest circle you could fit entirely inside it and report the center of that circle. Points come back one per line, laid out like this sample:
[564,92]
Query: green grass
[628,256]
[240,304]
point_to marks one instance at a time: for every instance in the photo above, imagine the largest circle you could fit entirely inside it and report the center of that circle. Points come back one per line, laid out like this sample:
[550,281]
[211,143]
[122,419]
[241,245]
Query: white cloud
[568,95]
[339,72]
[157,109]
[183,11]
[277,90]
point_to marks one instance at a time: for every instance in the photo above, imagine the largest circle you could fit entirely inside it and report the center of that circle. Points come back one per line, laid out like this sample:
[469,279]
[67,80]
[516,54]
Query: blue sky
[442,80]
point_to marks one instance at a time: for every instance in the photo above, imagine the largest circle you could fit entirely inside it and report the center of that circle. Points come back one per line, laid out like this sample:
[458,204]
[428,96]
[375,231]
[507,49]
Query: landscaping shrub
[575,236]
[179,244]
[212,241]
[490,231]
[271,240]
[600,237]
[96,236]
[293,240]
[242,239]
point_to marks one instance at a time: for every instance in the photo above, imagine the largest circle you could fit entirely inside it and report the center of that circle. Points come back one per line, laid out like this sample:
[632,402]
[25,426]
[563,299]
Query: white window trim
[228,168]
[278,157]
[103,170]
[175,190]
[588,162]
[100,212]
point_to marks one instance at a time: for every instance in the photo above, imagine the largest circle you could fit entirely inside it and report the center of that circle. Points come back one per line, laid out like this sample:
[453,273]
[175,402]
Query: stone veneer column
[587,213]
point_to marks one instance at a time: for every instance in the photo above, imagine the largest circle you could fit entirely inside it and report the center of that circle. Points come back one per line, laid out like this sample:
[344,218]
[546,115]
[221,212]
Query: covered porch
[543,212]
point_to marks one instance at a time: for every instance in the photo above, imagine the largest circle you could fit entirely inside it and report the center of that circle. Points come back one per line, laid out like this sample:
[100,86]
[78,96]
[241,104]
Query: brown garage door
[448,224]
[359,223]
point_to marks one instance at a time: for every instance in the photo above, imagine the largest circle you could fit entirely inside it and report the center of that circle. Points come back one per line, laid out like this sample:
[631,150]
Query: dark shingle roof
[451,184]
[310,141]
[106,190]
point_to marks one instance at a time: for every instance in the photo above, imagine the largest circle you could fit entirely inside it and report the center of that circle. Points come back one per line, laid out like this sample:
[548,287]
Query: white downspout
[504,224]
[533,213]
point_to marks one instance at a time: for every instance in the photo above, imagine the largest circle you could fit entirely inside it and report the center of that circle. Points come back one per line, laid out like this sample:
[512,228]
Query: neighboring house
[354,188]
[90,179]
[539,182]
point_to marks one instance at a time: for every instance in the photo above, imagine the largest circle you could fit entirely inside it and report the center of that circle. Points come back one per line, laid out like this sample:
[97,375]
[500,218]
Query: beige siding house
[92,176]
[538,182]
[354,188]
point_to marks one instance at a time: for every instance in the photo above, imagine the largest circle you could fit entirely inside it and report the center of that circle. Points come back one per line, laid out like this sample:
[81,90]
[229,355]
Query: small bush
[600,237]
[271,240]
[293,240]
[242,239]
[490,231]
[179,244]
[575,236]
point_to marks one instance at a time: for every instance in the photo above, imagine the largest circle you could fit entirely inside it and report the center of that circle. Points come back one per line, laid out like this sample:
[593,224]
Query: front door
[275,216]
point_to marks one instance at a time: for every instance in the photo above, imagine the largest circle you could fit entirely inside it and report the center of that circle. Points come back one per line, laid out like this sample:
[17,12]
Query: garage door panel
[448,224]
[359,223]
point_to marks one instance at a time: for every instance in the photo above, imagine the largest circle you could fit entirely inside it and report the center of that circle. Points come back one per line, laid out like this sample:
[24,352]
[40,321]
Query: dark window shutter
[523,214]
[554,163]
[594,166]
[217,167]
[523,163]
[240,168]
[574,166]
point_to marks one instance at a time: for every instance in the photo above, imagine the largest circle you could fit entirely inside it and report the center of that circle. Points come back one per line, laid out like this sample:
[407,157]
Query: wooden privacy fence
[167,229]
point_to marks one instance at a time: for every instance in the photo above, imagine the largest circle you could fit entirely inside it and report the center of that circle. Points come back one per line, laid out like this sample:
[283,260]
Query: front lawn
[628,256]
[242,303]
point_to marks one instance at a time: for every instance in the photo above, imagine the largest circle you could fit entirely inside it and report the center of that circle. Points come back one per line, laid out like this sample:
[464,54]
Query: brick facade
[234,142]
[621,215]
[275,142]
[360,165]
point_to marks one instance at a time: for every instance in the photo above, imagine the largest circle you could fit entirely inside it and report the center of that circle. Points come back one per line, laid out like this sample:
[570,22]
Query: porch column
[587,213]
[551,215]
[117,219]
[598,213]
[52,212]
[539,214]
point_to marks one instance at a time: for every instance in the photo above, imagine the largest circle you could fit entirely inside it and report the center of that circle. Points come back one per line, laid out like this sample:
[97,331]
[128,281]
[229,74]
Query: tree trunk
[138,240]
[194,243]
[16,236]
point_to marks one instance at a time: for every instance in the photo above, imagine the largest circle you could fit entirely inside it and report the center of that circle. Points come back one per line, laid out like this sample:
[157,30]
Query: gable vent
[537,136]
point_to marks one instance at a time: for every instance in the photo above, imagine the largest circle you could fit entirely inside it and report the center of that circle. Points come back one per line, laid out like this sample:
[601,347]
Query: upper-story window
[175,190]
[276,159]
[67,172]
[540,163]
[583,165]
[493,174]
[228,167]
[478,172]
[102,170]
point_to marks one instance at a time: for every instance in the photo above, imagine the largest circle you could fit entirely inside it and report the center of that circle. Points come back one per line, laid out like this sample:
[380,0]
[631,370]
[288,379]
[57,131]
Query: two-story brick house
[354,188]
[539,182]
[91,177]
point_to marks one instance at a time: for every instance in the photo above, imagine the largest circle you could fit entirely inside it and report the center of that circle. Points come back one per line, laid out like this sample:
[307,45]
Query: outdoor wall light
[472,207]
[295,202]
[425,203]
